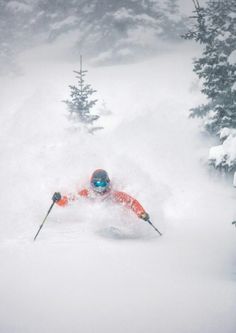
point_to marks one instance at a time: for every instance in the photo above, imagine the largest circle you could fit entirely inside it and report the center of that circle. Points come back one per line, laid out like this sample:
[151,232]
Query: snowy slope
[80,276]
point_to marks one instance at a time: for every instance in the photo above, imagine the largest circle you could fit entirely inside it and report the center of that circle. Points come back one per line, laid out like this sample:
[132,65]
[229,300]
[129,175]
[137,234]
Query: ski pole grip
[56,197]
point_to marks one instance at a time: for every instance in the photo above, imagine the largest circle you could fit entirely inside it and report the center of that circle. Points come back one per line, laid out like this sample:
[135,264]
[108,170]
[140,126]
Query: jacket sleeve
[65,199]
[129,202]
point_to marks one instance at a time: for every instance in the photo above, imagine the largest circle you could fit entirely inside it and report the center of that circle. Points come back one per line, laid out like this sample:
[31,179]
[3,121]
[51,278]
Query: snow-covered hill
[82,275]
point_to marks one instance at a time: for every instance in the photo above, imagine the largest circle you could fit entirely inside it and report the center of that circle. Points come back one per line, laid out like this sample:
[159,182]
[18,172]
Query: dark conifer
[80,103]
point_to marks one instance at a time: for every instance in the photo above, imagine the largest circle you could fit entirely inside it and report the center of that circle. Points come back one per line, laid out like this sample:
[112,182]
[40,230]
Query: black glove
[144,216]
[56,197]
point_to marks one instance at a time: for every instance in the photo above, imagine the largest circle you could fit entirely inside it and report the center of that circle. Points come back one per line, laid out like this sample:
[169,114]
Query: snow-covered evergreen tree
[215,29]
[107,31]
[110,31]
[80,104]
[127,29]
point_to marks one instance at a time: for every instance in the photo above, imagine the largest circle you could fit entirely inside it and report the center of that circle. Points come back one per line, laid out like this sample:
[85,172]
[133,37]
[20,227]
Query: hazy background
[95,267]
[103,31]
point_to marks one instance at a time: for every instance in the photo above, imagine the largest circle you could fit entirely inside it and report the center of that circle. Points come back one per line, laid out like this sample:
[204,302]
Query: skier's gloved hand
[144,216]
[56,197]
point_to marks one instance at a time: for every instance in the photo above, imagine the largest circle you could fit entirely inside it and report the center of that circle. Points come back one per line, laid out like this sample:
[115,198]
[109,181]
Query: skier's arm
[131,203]
[63,200]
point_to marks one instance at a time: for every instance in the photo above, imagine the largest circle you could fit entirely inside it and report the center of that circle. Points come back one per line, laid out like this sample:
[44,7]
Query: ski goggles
[100,183]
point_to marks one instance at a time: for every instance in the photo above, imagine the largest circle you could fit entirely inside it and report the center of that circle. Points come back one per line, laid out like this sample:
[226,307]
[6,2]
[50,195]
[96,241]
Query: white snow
[70,20]
[226,132]
[224,154]
[224,35]
[144,36]
[217,154]
[234,86]
[123,14]
[232,58]
[235,179]
[82,275]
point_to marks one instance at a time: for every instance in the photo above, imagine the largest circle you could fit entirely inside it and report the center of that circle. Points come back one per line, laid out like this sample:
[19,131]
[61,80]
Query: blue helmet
[100,181]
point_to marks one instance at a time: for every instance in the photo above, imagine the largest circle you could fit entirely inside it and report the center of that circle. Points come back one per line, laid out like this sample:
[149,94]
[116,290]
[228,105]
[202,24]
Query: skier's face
[100,181]
[101,186]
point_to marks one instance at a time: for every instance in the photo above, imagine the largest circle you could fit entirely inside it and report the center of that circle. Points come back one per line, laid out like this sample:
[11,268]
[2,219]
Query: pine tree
[80,104]
[215,30]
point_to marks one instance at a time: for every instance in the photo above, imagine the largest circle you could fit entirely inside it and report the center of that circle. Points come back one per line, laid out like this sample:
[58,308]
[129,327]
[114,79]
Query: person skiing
[100,188]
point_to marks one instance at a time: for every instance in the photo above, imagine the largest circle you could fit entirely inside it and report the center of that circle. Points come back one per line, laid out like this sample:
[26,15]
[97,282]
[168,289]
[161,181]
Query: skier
[100,188]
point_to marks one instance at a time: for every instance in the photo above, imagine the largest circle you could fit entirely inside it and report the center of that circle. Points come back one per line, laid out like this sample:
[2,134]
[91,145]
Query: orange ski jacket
[116,196]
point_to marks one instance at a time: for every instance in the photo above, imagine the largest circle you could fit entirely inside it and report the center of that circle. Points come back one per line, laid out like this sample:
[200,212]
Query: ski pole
[154,227]
[44,220]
